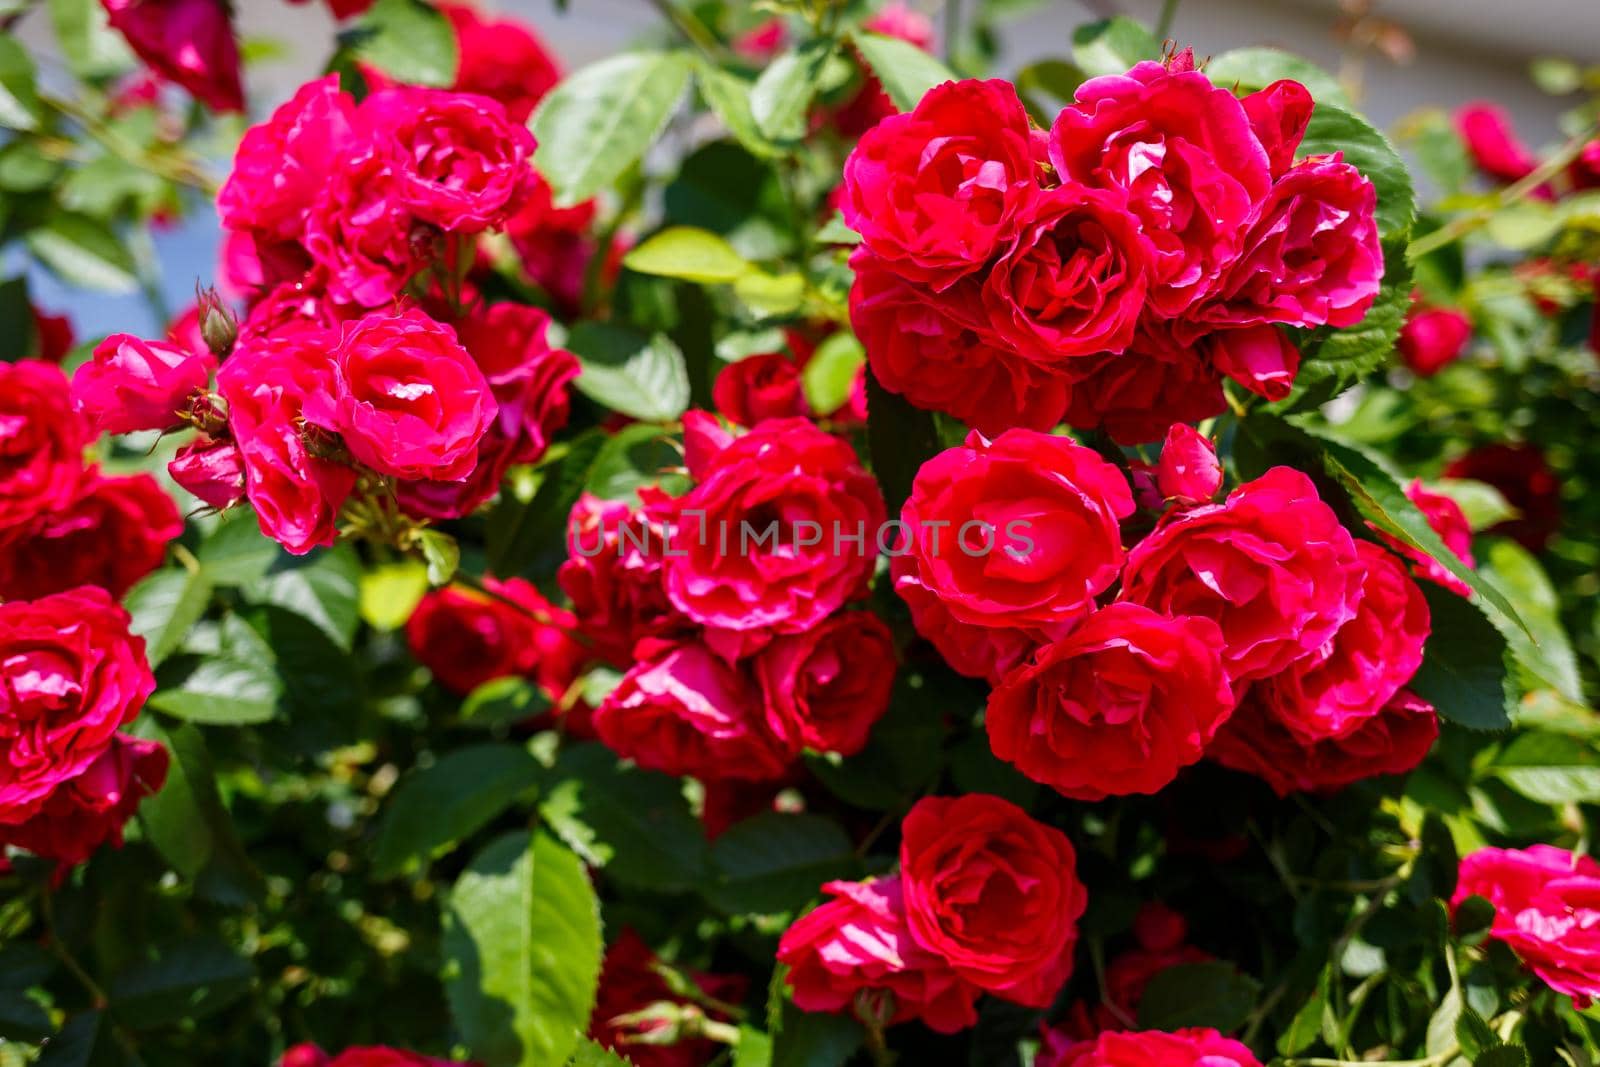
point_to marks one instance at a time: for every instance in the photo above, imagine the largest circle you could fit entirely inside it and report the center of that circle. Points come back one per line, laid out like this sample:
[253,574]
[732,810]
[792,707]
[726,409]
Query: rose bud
[1432,339]
[218,326]
[1189,471]
[211,470]
[189,42]
[132,385]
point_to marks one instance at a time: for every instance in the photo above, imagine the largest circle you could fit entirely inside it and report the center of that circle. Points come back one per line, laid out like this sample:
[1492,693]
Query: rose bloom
[1017,533]
[503,59]
[941,355]
[189,42]
[1118,706]
[131,385]
[466,638]
[1492,143]
[683,711]
[1260,358]
[212,470]
[461,164]
[283,163]
[556,245]
[1148,1048]
[809,486]
[1279,115]
[1525,479]
[764,386]
[406,397]
[1391,742]
[296,494]
[359,231]
[41,445]
[52,335]
[90,810]
[612,576]
[993,892]
[1450,523]
[630,983]
[70,675]
[1432,339]
[528,377]
[1271,566]
[858,942]
[1188,470]
[935,191]
[366,1056]
[115,533]
[1074,280]
[1183,152]
[1136,395]
[825,688]
[1311,254]
[1348,680]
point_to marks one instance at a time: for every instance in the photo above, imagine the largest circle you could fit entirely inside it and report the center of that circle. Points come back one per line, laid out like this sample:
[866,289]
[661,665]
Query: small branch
[176,170]
[692,29]
[59,949]
[1169,11]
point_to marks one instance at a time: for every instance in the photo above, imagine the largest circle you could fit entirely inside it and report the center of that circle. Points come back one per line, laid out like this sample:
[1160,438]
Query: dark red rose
[503,59]
[467,638]
[1522,475]
[1136,395]
[90,809]
[41,445]
[765,386]
[189,42]
[612,576]
[115,533]
[630,983]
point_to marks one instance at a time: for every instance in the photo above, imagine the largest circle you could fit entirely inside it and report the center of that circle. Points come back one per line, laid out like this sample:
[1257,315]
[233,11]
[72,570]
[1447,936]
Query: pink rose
[212,470]
[283,164]
[1188,471]
[90,810]
[1271,566]
[112,535]
[1432,339]
[131,385]
[41,445]
[189,42]
[1450,523]
[765,386]
[1118,706]
[1492,143]
[1150,1048]
[612,576]
[825,688]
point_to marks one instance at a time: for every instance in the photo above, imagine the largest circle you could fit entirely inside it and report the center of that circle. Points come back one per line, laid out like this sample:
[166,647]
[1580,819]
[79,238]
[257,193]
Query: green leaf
[1337,359]
[410,40]
[19,97]
[814,1039]
[689,253]
[186,820]
[522,949]
[1112,46]
[641,376]
[900,438]
[221,691]
[769,295]
[236,553]
[186,981]
[503,702]
[830,375]
[636,456]
[86,1040]
[1464,673]
[590,1054]
[17,332]
[774,863]
[165,606]
[82,251]
[1550,768]
[598,122]
[1547,659]
[634,824]
[906,71]
[1046,86]
[782,95]
[1244,70]
[1473,1034]
[1442,1025]
[1307,1023]
[728,94]
[754,1048]
[1333,129]
[437,807]
[1214,993]
[522,531]
[1502,1056]
[390,592]
[442,555]
[324,588]
[92,48]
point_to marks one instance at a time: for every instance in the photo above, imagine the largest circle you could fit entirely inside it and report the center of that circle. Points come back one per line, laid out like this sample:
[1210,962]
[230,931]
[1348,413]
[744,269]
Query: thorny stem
[176,170]
[1169,11]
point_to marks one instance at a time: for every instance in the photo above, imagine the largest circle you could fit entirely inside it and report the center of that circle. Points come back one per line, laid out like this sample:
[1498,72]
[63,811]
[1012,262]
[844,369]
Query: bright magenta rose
[212,470]
[133,385]
[1329,693]
[366,1056]
[115,533]
[1279,115]
[1118,706]
[502,59]
[629,983]
[935,191]
[685,711]
[90,810]
[760,543]
[1074,280]
[1450,523]
[1136,395]
[612,576]
[1188,471]
[1150,1048]
[296,493]
[529,378]
[359,231]
[1311,255]
[993,892]
[461,164]
[1546,909]
[1271,566]
[1391,742]
[941,355]
[70,675]
[283,163]
[1019,533]
[189,42]
[1183,151]
[41,445]
[825,688]
[765,386]
[1492,143]
[406,397]
[466,638]
[859,942]
[1432,339]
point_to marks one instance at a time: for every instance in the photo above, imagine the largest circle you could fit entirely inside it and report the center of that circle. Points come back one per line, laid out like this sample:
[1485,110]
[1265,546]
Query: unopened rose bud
[1432,339]
[208,413]
[1189,471]
[212,470]
[218,326]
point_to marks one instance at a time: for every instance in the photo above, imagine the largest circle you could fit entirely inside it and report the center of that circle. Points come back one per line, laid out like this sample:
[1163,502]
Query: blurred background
[1397,56]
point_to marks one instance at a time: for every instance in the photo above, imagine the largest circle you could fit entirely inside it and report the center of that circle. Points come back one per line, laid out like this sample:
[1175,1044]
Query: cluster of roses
[1111,271]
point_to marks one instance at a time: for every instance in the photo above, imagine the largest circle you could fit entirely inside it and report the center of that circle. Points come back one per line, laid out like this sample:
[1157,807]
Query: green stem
[1169,11]
[177,170]
[952,28]
[692,29]
[59,949]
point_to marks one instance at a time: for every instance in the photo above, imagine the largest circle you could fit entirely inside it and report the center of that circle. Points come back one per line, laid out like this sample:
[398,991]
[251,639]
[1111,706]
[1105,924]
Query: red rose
[115,533]
[934,192]
[765,386]
[1523,476]
[685,711]
[290,308]
[41,444]
[283,163]
[502,59]
[1279,115]
[467,638]
[189,42]
[70,675]
[1260,358]
[859,943]
[52,335]
[1432,339]
[759,546]
[1188,471]
[825,688]
[1136,395]
[1118,706]
[1183,152]
[212,470]
[131,385]
[629,983]
[612,576]
[461,164]
[510,343]
[1391,742]
[940,355]
[1545,910]
[1150,1048]
[1492,143]
[90,810]
[369,1056]
[993,892]
[359,231]
[406,397]
[1450,523]
[556,245]
[1271,566]
[1019,533]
